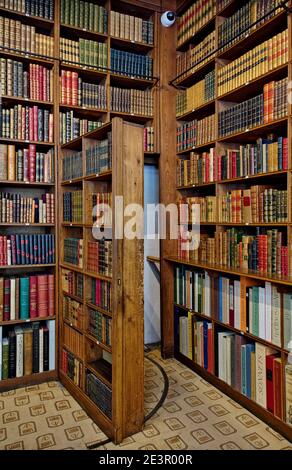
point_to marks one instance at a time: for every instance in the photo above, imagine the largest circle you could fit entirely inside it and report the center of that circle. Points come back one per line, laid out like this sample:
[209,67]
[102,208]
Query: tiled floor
[195,415]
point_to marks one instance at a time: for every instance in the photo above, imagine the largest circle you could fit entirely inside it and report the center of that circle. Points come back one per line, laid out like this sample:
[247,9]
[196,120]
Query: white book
[177,285]
[12,298]
[268,291]
[250,310]
[287,302]
[196,292]
[220,356]
[237,304]
[41,350]
[51,324]
[1,352]
[207,294]
[262,311]
[9,262]
[228,341]
[276,316]
[19,351]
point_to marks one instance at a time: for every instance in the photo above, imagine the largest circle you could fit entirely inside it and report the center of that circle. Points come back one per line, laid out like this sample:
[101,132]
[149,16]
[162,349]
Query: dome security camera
[168,18]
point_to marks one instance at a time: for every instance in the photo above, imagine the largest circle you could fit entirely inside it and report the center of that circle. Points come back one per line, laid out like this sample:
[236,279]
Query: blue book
[243,369]
[31,249]
[17,242]
[22,249]
[205,330]
[53,248]
[35,249]
[46,249]
[248,350]
[24,298]
[43,237]
[280,153]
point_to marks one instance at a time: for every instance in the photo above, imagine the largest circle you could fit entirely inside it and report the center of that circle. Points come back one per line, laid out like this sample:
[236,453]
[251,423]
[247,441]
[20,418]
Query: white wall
[151,248]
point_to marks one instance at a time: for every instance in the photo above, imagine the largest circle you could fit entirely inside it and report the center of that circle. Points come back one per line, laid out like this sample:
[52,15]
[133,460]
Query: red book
[74,88]
[35,123]
[63,87]
[31,81]
[42,295]
[33,297]
[270,381]
[51,128]
[210,351]
[278,388]
[5,250]
[31,127]
[13,249]
[32,160]
[51,295]
[285,153]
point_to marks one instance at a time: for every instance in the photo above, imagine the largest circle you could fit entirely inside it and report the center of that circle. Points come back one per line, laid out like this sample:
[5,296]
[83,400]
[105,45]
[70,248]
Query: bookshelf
[29,274]
[100,295]
[225,317]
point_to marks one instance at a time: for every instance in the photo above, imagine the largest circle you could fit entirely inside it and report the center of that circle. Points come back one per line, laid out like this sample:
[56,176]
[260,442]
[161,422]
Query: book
[288,388]
[132,101]
[196,96]
[195,133]
[195,17]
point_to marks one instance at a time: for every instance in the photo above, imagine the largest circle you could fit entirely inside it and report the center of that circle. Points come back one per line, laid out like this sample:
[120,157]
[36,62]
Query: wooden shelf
[199,34]
[29,320]
[254,86]
[28,266]
[71,267]
[246,224]
[131,116]
[6,224]
[97,133]
[72,224]
[98,276]
[128,45]
[153,259]
[99,343]
[76,328]
[25,183]
[84,70]
[84,111]
[7,140]
[72,296]
[99,370]
[131,80]
[276,279]
[198,147]
[27,380]
[24,101]
[229,9]
[101,310]
[72,182]
[26,56]
[250,134]
[198,113]
[104,176]
[83,33]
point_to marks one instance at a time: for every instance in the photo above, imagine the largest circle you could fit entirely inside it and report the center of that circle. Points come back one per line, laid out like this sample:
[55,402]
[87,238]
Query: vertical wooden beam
[167,48]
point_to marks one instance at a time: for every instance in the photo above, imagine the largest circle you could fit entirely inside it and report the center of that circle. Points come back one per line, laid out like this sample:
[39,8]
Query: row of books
[73,251]
[101,295]
[128,63]
[73,341]
[75,92]
[131,28]
[99,326]
[267,107]
[253,369]
[257,62]
[196,56]
[99,156]
[27,249]
[27,123]
[26,164]
[72,166]
[26,350]
[27,297]
[72,127]
[72,283]
[259,204]
[31,8]
[193,290]
[99,393]
[72,367]
[84,52]
[23,38]
[194,19]
[249,17]
[197,95]
[265,308]
[73,206]
[99,257]
[85,15]
[14,208]
[267,155]
[73,312]
[36,83]
[99,210]
[195,133]
[149,139]
[132,101]
[264,253]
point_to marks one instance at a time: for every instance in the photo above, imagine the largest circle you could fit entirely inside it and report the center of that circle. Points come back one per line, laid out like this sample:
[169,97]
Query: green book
[96,19]
[82,51]
[24,298]
[105,65]
[63,11]
[81,14]
[77,14]
[86,15]
[5,358]
[72,12]
[91,17]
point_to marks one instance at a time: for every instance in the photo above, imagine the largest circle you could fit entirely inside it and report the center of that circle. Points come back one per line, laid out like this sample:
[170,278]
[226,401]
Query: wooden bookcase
[125,377]
[171,193]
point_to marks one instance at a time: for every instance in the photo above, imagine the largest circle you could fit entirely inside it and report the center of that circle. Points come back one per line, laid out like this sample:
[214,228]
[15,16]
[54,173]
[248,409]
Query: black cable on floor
[152,412]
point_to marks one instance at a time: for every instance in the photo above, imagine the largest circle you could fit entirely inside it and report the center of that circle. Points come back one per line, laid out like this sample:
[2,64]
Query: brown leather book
[27,335]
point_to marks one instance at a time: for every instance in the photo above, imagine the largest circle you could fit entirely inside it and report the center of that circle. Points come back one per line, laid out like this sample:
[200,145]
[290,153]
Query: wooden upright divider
[116,364]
